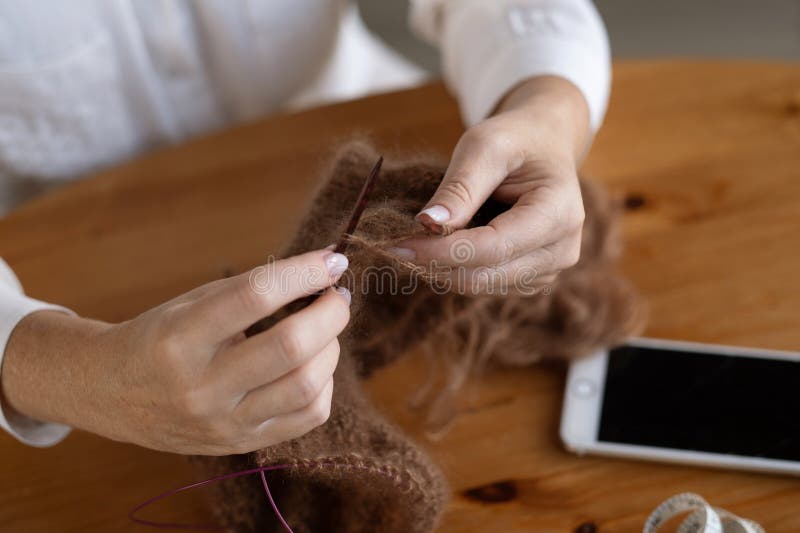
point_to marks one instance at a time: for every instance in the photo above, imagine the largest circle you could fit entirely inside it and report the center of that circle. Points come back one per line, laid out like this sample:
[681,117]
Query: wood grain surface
[706,155]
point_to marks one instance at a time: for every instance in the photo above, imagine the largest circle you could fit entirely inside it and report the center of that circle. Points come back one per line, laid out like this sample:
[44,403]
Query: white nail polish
[345,293]
[403,253]
[336,264]
[438,213]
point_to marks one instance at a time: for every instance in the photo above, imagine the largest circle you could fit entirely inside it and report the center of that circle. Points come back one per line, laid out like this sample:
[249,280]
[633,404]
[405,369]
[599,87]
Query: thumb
[477,168]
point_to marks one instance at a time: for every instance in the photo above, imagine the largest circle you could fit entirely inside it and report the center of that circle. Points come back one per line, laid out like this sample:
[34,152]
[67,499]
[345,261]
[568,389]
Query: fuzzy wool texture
[358,472]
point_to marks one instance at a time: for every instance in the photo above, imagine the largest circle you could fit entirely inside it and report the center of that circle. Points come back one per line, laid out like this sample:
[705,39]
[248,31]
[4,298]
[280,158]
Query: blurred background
[758,29]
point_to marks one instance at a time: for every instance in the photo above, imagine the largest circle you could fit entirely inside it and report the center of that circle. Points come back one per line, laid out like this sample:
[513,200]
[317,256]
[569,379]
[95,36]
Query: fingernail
[345,293]
[336,263]
[403,253]
[436,213]
[331,247]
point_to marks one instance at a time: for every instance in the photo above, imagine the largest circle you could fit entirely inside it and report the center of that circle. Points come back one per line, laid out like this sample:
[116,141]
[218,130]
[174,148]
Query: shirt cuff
[489,46]
[14,306]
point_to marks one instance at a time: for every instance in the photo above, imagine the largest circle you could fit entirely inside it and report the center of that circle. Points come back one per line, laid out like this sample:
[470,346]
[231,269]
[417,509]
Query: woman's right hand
[182,377]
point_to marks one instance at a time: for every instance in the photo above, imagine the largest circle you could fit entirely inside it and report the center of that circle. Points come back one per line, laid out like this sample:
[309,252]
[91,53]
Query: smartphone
[686,402]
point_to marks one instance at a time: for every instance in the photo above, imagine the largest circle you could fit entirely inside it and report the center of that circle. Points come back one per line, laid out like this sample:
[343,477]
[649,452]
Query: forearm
[16,307]
[47,367]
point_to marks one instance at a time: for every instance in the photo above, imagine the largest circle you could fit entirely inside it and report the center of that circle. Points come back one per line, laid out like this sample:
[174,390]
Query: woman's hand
[526,154]
[182,377]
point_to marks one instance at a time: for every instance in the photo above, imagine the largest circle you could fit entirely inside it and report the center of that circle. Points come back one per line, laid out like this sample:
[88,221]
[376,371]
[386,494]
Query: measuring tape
[703,517]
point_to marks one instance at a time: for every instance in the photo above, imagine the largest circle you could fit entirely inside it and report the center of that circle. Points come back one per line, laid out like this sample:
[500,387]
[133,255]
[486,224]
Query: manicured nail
[435,213]
[336,263]
[403,253]
[344,292]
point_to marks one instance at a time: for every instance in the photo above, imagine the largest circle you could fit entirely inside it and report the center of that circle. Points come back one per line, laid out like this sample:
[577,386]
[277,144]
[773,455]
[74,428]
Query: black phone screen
[702,402]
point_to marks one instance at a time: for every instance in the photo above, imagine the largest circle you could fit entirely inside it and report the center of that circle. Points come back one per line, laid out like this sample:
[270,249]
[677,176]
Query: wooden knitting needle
[341,246]
[352,223]
[361,204]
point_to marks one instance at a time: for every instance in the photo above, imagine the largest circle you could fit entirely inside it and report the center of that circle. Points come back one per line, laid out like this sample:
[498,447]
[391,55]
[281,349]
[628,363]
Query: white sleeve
[489,46]
[14,305]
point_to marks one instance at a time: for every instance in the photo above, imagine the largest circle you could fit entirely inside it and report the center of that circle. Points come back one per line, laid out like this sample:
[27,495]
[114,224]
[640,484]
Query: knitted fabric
[357,472]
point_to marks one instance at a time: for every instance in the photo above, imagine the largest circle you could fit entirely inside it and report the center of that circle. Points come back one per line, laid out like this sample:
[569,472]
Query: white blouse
[89,83]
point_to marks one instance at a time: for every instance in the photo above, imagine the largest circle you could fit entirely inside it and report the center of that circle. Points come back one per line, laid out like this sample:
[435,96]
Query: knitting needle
[361,204]
[352,223]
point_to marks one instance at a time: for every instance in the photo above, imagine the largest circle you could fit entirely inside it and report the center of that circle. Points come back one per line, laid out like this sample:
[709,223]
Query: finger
[481,161]
[524,275]
[518,277]
[238,302]
[292,392]
[532,268]
[537,219]
[286,346]
[298,423]
[196,293]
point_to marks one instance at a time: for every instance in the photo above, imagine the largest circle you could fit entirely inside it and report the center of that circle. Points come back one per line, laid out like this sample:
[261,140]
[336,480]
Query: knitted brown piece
[589,306]
[356,472]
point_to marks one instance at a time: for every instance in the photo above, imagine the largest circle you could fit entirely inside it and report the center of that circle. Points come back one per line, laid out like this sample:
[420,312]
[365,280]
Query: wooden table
[707,155]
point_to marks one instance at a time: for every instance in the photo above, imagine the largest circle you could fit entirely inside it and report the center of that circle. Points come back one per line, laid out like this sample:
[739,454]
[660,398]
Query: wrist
[555,103]
[45,373]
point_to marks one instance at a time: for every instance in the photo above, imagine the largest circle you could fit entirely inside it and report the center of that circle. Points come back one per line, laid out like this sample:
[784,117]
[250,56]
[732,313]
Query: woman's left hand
[526,155]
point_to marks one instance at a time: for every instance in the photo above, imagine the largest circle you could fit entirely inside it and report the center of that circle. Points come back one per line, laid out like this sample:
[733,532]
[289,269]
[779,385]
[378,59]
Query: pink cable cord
[208,527]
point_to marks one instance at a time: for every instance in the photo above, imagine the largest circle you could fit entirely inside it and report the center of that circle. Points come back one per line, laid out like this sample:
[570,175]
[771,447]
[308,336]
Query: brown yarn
[355,473]
[367,475]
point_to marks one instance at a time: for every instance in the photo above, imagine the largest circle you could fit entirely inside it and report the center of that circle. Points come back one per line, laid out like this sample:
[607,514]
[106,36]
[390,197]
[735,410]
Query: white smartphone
[687,403]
